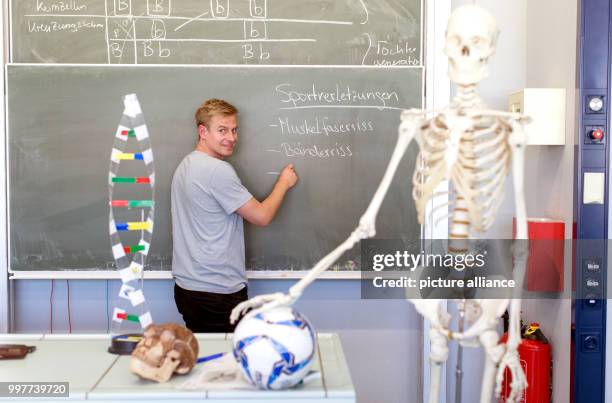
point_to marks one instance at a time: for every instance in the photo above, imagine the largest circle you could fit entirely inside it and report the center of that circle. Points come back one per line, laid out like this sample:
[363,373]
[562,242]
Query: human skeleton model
[474,148]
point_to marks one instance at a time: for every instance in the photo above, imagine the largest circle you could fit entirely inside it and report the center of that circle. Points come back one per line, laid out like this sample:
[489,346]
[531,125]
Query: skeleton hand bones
[262,303]
[511,360]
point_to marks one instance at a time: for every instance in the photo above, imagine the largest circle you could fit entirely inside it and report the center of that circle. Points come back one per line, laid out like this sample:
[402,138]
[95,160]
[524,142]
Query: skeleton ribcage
[476,161]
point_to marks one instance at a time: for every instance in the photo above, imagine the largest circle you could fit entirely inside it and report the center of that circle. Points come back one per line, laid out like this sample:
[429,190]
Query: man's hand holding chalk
[288,177]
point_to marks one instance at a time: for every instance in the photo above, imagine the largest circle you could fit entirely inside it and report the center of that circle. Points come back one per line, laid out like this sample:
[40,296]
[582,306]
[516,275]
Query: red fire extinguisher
[535,355]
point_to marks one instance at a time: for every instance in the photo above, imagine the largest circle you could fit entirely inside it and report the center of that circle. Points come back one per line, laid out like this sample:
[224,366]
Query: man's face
[220,137]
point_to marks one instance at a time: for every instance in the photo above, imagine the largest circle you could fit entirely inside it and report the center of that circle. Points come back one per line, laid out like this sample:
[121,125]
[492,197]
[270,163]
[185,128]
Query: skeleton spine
[460,227]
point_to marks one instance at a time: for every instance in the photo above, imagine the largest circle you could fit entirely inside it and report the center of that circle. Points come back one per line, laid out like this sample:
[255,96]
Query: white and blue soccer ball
[275,348]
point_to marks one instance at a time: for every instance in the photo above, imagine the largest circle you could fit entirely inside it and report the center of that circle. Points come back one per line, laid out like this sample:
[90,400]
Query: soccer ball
[275,348]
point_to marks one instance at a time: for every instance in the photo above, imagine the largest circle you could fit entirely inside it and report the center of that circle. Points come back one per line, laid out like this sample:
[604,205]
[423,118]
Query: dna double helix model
[131,218]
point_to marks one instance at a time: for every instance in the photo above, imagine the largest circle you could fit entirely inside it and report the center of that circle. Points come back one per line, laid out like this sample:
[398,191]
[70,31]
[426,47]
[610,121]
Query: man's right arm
[262,213]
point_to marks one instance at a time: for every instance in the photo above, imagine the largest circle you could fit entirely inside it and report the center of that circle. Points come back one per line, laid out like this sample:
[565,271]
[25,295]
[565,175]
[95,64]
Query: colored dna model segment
[130,259]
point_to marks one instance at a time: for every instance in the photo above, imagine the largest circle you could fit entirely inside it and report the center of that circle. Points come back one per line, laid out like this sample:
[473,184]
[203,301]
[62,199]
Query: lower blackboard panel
[337,125]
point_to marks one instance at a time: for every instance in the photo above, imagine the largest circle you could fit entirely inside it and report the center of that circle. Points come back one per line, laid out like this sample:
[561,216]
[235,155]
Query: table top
[95,374]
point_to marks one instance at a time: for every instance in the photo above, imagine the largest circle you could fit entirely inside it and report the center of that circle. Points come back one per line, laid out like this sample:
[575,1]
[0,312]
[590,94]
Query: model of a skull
[164,350]
[471,38]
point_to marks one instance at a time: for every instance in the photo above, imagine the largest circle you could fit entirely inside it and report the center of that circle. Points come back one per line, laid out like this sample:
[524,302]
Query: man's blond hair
[213,107]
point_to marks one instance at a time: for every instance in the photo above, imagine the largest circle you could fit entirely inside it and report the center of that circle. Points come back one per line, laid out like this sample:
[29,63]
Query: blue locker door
[592,156]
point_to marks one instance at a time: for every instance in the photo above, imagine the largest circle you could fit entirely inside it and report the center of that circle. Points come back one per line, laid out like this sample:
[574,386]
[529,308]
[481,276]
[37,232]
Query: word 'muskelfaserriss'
[322,125]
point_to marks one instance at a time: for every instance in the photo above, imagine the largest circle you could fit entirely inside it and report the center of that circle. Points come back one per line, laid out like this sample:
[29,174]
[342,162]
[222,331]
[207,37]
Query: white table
[96,375]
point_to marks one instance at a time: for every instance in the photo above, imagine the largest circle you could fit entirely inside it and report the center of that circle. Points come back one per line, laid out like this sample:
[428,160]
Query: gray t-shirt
[207,233]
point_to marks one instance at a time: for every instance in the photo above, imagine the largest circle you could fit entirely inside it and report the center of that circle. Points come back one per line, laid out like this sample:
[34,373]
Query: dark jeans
[207,312]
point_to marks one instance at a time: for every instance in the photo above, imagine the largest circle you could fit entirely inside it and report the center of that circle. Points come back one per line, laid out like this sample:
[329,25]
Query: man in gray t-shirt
[209,203]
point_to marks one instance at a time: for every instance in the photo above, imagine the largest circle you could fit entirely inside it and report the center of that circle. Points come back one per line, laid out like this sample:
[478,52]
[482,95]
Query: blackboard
[62,120]
[272,32]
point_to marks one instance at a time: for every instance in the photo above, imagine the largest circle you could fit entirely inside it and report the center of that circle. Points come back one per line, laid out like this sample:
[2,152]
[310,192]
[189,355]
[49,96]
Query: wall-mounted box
[546,107]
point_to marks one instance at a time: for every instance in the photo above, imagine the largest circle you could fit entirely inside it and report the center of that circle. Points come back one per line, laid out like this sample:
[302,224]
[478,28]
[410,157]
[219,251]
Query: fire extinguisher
[535,355]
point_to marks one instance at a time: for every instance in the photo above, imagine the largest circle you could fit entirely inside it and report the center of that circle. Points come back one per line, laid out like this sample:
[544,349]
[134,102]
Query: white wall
[551,62]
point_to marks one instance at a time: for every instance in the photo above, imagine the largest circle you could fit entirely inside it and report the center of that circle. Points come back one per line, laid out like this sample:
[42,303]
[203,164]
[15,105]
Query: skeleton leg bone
[431,310]
[437,356]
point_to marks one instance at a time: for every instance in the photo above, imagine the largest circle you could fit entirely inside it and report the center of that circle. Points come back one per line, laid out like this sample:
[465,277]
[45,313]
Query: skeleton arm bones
[518,141]
[412,121]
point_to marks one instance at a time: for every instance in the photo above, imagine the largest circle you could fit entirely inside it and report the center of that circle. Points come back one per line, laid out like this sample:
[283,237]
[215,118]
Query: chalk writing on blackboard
[343,96]
[217,32]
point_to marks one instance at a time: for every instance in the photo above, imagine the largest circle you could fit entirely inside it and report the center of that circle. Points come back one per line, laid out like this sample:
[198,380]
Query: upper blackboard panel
[272,32]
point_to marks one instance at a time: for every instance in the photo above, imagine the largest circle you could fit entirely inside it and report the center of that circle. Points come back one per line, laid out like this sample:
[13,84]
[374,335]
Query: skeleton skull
[471,38]
[164,350]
